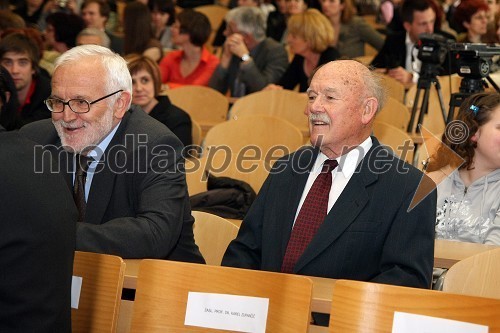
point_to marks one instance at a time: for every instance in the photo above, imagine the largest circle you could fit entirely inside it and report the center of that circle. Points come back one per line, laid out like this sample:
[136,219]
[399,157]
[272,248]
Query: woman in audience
[193,64]
[162,17]
[276,21]
[146,89]
[276,28]
[138,32]
[351,32]
[472,19]
[309,38]
[468,207]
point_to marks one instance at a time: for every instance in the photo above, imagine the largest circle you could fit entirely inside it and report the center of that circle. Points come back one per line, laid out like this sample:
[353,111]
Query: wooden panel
[163,287]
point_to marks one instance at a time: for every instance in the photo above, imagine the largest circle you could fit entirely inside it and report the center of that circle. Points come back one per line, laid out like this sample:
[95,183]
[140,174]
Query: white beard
[93,134]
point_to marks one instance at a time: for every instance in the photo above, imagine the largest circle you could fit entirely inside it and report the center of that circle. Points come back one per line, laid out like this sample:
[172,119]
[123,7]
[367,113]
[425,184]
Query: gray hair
[115,67]
[250,20]
[96,32]
[375,87]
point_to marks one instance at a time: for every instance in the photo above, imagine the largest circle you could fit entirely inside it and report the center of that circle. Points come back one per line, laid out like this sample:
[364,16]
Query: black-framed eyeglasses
[77,105]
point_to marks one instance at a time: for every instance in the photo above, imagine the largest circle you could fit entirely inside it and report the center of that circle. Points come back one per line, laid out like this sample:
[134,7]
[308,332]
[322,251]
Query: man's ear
[121,105]
[407,26]
[7,97]
[369,110]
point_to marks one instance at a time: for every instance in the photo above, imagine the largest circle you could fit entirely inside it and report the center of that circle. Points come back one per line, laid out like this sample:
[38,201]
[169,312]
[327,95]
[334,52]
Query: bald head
[343,99]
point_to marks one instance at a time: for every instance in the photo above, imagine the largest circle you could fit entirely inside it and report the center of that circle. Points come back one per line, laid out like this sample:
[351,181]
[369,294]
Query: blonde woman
[309,38]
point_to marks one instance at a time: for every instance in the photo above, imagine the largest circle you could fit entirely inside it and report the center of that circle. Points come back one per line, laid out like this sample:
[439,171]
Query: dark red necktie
[311,216]
[82,165]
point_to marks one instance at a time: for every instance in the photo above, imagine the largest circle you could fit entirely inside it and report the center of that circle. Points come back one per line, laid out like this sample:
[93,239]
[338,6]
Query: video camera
[474,60]
[432,48]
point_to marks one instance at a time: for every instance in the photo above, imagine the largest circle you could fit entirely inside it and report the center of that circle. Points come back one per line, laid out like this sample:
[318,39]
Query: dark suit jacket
[270,61]
[368,235]
[393,53]
[176,119]
[37,216]
[138,206]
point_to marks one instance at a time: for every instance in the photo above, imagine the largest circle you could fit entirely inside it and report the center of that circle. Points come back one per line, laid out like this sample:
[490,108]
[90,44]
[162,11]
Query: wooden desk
[447,253]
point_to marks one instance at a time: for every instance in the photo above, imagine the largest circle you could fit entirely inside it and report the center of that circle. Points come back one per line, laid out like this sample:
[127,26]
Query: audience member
[398,57]
[31,11]
[369,233]
[20,55]
[95,14]
[468,201]
[10,103]
[309,38]
[387,9]
[132,200]
[38,237]
[139,37]
[92,36]
[220,36]
[471,17]
[61,31]
[193,64]
[162,17]
[146,82]
[351,32]
[276,21]
[9,20]
[249,61]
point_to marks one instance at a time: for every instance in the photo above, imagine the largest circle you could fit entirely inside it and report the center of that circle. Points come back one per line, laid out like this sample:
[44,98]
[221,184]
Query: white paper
[227,312]
[76,288]
[413,323]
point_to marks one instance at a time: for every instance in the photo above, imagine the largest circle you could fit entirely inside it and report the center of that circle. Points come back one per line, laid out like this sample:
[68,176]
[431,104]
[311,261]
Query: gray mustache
[319,117]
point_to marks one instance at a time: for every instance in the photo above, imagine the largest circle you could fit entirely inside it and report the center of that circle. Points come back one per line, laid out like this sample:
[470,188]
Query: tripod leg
[413,111]
[441,102]
[423,109]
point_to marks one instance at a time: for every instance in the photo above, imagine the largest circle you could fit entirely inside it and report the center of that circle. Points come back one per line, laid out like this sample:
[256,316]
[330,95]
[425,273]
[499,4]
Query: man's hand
[236,45]
[401,75]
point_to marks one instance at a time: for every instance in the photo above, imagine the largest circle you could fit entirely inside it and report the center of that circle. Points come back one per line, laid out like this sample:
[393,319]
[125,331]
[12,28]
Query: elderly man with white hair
[125,169]
[249,60]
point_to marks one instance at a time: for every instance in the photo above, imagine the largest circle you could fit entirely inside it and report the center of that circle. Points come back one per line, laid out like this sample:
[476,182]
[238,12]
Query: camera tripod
[468,86]
[427,78]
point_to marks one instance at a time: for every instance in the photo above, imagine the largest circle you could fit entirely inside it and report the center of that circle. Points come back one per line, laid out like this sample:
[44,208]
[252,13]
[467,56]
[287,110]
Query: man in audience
[398,57]
[92,36]
[249,61]
[37,244]
[96,13]
[20,55]
[125,168]
[354,222]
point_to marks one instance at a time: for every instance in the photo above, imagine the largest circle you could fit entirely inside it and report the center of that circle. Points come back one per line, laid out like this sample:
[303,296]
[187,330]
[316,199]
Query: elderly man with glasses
[130,191]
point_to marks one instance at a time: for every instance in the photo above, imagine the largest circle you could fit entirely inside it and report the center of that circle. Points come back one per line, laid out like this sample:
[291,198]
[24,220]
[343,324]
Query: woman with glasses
[193,64]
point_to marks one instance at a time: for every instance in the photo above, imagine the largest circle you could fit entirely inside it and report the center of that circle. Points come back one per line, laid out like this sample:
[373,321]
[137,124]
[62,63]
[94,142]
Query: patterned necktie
[82,165]
[311,216]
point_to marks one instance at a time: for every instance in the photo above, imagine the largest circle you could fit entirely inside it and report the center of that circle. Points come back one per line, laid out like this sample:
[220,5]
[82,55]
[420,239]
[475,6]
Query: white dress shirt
[340,176]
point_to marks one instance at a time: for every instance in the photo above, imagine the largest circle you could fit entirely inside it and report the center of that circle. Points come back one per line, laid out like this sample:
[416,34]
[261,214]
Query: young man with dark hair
[20,55]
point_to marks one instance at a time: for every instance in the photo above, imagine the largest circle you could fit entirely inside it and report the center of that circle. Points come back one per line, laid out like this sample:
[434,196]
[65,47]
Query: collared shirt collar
[347,162]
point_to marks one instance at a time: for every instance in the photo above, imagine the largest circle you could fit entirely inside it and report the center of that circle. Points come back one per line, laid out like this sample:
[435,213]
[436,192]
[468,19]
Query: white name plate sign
[413,323]
[227,312]
[76,288]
